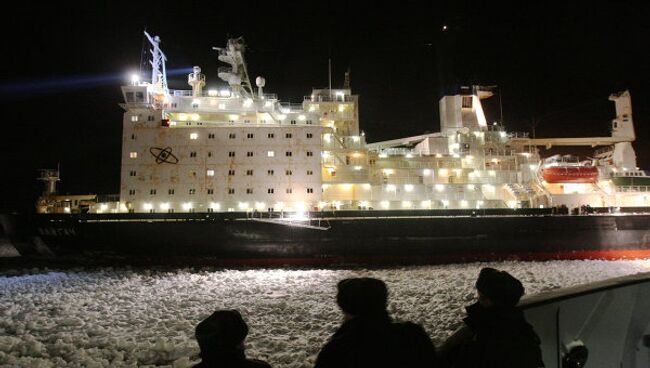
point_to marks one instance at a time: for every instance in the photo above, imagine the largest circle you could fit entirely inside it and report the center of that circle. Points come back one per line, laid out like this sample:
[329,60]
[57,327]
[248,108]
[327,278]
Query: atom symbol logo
[163,155]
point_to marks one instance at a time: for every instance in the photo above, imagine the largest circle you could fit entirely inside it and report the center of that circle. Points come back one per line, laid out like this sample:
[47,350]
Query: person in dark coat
[368,337]
[495,333]
[221,340]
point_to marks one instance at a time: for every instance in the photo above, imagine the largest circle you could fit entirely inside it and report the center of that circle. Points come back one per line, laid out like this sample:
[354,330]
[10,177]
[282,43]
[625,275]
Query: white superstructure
[231,148]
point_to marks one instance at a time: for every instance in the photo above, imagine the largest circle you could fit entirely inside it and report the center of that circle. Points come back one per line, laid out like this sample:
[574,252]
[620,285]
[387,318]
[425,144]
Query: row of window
[232,154]
[234,136]
[231,172]
[211,191]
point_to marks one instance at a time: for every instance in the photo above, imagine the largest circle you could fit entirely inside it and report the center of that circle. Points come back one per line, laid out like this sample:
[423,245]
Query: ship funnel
[197,81]
[260,82]
[50,177]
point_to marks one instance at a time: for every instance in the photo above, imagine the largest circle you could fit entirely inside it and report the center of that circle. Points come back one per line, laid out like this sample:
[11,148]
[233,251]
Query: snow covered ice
[127,317]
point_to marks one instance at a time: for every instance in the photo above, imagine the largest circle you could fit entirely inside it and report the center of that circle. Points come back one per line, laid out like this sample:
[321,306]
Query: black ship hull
[355,236]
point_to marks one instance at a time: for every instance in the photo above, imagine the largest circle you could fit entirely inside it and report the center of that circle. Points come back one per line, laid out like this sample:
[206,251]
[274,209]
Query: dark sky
[62,65]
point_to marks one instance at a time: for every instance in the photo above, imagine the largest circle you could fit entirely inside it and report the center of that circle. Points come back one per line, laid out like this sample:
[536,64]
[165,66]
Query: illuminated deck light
[439,187]
[384,204]
[426,172]
[408,187]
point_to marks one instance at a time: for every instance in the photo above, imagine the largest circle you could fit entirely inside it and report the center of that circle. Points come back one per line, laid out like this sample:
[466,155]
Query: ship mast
[237,74]
[158,59]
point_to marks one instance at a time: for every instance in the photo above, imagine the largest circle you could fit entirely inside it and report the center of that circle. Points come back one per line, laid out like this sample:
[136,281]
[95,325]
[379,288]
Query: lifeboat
[570,174]
[567,169]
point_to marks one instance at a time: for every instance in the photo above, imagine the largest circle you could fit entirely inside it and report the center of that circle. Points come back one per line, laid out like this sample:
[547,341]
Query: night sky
[62,66]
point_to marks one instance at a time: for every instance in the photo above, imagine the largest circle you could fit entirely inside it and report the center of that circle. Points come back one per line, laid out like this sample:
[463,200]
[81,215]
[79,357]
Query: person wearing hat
[495,332]
[221,340]
[368,337]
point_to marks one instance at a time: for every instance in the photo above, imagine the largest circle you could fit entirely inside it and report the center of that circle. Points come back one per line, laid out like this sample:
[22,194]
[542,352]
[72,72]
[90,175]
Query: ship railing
[325,98]
[633,188]
[103,198]
[291,106]
[181,92]
[518,135]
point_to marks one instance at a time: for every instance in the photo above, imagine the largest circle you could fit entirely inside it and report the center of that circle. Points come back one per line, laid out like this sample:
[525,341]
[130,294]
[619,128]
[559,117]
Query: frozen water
[128,318]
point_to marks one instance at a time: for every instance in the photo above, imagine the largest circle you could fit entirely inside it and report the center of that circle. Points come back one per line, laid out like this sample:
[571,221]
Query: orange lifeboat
[570,174]
[567,169]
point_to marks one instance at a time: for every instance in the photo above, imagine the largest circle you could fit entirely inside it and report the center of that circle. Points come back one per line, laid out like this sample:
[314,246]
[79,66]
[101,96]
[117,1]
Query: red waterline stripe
[433,259]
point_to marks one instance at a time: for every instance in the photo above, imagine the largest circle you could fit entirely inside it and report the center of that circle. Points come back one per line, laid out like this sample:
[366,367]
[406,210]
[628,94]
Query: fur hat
[223,330]
[362,296]
[499,286]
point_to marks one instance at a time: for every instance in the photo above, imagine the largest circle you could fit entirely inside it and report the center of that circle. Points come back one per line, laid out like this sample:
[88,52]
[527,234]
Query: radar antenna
[236,75]
[158,59]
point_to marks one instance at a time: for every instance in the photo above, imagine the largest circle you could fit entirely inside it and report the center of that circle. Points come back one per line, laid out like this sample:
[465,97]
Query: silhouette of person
[495,333]
[221,340]
[368,337]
